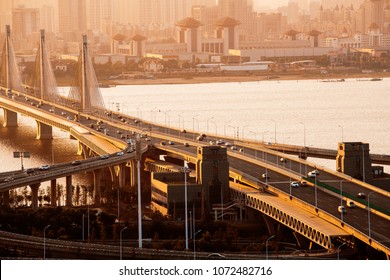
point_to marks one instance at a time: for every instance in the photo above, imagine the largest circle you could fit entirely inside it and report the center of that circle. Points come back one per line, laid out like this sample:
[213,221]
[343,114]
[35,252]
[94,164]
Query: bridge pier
[133,176]
[68,190]
[34,196]
[10,118]
[44,131]
[120,172]
[97,186]
[53,192]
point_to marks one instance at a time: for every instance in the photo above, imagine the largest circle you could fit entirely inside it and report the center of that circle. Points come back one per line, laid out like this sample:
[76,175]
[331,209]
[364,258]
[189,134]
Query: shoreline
[248,78]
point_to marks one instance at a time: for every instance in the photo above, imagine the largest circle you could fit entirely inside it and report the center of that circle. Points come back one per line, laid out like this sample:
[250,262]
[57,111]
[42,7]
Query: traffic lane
[325,201]
[347,186]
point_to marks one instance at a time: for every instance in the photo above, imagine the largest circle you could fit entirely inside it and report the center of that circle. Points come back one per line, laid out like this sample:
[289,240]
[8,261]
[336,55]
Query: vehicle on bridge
[314,173]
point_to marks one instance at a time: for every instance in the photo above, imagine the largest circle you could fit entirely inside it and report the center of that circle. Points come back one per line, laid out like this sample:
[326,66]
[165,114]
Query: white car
[44,167]
[294,184]
[313,173]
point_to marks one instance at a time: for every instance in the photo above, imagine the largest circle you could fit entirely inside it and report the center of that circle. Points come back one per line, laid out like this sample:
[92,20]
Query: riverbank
[217,78]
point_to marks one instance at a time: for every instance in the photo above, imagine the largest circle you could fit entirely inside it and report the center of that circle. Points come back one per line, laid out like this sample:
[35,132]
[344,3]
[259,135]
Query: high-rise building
[98,11]
[373,13]
[47,17]
[25,21]
[292,12]
[207,16]
[72,19]
[242,11]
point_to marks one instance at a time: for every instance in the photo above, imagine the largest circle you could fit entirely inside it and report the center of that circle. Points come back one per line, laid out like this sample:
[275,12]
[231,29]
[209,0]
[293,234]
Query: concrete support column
[44,131]
[5,199]
[133,169]
[68,190]
[34,196]
[122,176]
[10,118]
[53,192]
[97,186]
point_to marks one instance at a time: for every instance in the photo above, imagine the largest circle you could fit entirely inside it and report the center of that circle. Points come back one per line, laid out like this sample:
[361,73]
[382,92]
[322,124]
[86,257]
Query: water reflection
[23,138]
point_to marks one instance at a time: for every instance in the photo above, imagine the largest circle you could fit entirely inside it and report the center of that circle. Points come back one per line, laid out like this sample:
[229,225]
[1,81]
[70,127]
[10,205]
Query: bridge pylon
[10,77]
[84,95]
[43,83]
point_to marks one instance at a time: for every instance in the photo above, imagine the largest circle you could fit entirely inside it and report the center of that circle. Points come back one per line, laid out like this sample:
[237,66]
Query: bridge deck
[293,210]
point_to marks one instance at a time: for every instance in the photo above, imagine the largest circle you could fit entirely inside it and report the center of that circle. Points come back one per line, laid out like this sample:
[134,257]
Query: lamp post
[179,115]
[254,133]
[243,131]
[169,120]
[44,241]
[185,170]
[194,241]
[369,214]
[274,129]
[215,129]
[208,124]
[224,127]
[193,126]
[139,111]
[342,133]
[120,242]
[22,155]
[138,158]
[338,250]
[262,137]
[266,246]
[151,114]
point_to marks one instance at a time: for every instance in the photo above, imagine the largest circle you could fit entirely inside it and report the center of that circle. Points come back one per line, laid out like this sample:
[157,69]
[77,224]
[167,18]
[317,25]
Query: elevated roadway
[246,167]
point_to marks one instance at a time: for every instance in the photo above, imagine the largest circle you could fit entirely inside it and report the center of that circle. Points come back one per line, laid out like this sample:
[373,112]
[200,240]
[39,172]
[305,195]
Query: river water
[310,112]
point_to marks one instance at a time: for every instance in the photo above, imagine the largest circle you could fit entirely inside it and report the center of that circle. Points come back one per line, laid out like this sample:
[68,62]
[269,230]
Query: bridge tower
[43,83]
[84,95]
[353,158]
[10,77]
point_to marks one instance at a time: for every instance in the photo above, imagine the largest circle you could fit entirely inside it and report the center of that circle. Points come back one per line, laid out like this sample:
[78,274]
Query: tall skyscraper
[373,13]
[48,18]
[242,11]
[25,21]
[72,18]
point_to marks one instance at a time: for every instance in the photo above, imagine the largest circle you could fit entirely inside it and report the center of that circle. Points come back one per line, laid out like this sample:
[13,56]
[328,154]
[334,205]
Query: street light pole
[338,250]
[186,170]
[254,133]
[342,133]
[266,246]
[138,157]
[274,129]
[193,126]
[224,127]
[208,124]
[243,131]
[44,241]
[194,241]
[215,129]
[120,241]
